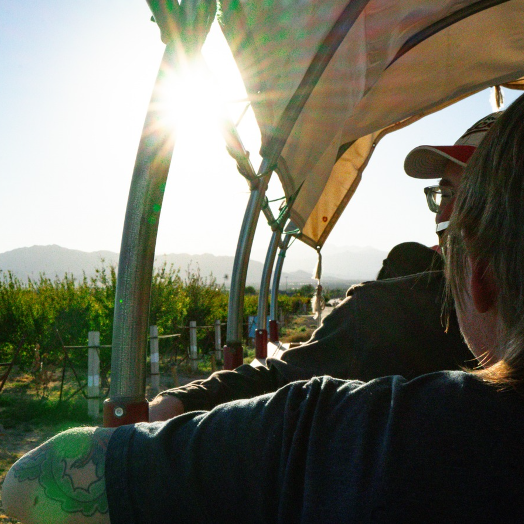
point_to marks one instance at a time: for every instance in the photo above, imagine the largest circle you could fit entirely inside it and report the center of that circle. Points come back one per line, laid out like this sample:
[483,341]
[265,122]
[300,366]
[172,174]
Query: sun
[204,90]
[192,104]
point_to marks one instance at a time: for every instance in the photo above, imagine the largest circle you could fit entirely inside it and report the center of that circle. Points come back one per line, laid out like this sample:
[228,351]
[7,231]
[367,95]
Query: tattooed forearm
[69,470]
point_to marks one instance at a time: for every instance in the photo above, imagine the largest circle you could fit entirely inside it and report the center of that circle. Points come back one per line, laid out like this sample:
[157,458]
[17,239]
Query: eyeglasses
[437,196]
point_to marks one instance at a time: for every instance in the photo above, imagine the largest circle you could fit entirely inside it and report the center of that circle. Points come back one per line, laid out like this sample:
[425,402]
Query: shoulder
[418,280]
[444,387]
[64,477]
[427,284]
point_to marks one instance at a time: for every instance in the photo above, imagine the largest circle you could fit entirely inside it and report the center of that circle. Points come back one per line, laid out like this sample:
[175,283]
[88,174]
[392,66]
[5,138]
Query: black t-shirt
[444,447]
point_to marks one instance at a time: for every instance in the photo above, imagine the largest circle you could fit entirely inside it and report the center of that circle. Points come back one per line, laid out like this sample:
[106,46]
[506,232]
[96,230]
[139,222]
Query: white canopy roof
[328,78]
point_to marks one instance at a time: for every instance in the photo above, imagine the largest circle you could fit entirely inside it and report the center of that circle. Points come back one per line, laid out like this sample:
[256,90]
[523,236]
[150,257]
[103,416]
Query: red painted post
[273,331]
[233,355]
[118,413]
[261,343]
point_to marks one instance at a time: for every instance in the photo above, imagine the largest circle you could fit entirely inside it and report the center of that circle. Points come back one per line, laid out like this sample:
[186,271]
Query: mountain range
[340,269]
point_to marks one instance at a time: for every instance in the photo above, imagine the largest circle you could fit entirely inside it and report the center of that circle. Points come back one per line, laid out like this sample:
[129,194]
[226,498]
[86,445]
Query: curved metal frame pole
[233,350]
[273,309]
[127,403]
[263,295]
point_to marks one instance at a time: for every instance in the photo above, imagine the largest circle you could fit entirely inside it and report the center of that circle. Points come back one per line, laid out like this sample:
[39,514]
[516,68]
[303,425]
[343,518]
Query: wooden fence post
[193,349]
[218,341]
[93,374]
[155,359]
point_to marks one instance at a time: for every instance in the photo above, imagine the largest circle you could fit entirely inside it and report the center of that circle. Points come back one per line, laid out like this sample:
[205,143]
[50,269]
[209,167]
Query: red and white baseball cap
[430,161]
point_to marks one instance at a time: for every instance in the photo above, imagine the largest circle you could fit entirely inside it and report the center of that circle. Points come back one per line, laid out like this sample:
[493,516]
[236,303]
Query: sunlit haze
[76,82]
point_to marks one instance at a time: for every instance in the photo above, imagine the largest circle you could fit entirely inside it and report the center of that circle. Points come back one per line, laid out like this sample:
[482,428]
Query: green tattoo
[70,468]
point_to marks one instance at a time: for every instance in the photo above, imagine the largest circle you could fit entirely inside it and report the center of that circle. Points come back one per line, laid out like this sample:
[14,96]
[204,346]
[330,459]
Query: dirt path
[13,444]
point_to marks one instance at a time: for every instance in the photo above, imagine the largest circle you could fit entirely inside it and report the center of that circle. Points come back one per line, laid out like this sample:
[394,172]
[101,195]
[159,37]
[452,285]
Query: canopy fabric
[328,78]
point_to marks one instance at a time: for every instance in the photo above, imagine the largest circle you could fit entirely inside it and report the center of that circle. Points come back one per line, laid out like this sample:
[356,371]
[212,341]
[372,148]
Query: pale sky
[76,78]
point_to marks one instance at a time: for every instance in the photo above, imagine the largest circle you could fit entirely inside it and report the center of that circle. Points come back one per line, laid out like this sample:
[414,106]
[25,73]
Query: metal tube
[238,277]
[261,332]
[135,267]
[265,280]
[236,149]
[273,312]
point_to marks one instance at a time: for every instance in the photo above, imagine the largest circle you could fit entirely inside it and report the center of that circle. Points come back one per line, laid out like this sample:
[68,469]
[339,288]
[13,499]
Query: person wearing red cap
[446,163]
[443,447]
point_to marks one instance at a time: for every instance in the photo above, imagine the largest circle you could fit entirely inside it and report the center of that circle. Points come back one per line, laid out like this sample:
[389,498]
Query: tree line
[51,312]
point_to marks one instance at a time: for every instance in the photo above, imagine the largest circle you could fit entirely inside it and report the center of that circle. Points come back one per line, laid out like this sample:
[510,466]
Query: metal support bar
[265,280]
[261,339]
[273,310]
[135,267]
[238,277]
[236,149]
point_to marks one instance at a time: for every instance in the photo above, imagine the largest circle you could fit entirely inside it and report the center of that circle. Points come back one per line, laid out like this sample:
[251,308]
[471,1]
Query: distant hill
[218,266]
[29,262]
[344,268]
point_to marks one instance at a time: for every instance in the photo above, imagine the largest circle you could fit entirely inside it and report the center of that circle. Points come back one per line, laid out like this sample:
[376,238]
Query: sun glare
[197,95]
[192,104]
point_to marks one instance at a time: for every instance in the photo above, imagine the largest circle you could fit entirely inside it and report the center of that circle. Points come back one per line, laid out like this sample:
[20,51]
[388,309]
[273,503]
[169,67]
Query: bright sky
[76,79]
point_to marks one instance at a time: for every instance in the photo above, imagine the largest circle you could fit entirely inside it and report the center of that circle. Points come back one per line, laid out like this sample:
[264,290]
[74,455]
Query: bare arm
[164,407]
[63,480]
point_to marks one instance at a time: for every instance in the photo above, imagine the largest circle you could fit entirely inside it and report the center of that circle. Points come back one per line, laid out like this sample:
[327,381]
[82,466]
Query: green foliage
[307,290]
[250,304]
[206,302]
[169,304]
[294,305]
[45,311]
[17,409]
[330,293]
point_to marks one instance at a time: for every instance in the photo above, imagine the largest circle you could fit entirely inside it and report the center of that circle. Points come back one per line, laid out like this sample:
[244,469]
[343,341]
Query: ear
[484,289]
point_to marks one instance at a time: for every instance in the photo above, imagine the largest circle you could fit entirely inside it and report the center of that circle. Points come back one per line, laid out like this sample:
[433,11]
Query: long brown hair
[488,224]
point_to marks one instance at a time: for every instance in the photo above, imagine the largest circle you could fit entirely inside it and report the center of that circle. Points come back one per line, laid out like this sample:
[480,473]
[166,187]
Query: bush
[46,312]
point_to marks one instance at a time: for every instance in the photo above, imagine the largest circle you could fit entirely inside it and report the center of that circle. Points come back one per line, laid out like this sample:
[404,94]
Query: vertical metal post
[127,403]
[233,351]
[218,341]
[193,348]
[261,333]
[93,374]
[155,360]
[273,310]
[318,303]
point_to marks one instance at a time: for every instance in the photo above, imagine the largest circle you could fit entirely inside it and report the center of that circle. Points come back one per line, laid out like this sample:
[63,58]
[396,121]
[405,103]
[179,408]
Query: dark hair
[488,225]
[409,258]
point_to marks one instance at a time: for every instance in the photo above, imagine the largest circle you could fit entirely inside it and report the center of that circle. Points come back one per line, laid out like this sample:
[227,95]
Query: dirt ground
[13,444]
